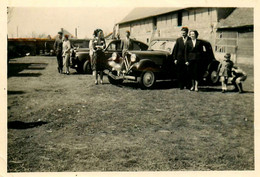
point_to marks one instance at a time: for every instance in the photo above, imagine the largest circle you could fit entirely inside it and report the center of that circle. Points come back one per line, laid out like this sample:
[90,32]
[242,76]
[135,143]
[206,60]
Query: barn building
[235,35]
[213,24]
[147,23]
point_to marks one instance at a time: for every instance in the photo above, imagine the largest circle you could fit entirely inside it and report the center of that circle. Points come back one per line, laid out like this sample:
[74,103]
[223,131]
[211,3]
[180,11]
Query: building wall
[203,20]
[240,43]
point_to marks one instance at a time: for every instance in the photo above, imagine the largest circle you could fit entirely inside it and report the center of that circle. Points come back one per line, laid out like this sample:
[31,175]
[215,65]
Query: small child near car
[238,75]
[225,68]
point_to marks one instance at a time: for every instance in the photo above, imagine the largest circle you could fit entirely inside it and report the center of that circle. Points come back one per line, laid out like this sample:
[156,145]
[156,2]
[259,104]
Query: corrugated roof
[145,12]
[238,18]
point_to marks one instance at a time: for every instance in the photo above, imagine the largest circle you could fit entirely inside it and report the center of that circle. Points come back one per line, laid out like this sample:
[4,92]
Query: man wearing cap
[225,68]
[179,58]
[58,49]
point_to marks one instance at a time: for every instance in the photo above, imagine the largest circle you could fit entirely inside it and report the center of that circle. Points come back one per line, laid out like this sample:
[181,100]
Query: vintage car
[82,62]
[157,64]
[78,47]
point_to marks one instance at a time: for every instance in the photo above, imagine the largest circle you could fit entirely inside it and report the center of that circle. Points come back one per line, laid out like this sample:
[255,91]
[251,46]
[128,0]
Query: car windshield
[162,45]
[80,44]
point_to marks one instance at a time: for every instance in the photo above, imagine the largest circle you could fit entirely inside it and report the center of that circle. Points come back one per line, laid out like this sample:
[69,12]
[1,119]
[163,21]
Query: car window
[162,45]
[136,46]
[80,44]
[112,46]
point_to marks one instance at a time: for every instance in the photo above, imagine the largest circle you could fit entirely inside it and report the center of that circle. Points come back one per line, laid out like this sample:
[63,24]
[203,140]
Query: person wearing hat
[238,75]
[66,53]
[179,58]
[225,68]
[58,50]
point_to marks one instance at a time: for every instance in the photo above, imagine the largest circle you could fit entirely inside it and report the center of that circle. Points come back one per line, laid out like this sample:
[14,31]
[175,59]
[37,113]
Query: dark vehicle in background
[82,61]
[79,50]
[157,64]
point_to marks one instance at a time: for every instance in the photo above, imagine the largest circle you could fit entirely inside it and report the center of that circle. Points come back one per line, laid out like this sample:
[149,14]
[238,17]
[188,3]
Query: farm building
[235,34]
[147,23]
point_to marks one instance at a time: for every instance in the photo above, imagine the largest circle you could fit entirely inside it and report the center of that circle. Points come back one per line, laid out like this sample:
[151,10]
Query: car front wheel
[87,68]
[147,80]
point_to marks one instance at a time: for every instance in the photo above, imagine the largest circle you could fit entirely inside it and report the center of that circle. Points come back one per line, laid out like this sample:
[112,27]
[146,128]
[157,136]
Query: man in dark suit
[193,54]
[179,59]
[58,50]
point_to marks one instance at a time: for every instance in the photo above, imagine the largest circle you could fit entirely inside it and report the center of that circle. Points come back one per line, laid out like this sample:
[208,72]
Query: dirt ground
[60,122]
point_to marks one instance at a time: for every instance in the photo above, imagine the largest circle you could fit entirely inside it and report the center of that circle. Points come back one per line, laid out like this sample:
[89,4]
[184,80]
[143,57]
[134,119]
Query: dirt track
[66,123]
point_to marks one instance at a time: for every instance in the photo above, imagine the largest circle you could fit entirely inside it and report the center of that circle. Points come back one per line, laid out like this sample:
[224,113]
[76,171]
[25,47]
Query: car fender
[146,64]
[213,65]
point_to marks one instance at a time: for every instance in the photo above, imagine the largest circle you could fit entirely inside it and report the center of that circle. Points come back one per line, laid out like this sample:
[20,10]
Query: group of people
[62,48]
[187,55]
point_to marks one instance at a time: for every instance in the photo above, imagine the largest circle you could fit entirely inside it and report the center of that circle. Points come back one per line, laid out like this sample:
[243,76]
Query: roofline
[164,38]
[233,27]
[150,16]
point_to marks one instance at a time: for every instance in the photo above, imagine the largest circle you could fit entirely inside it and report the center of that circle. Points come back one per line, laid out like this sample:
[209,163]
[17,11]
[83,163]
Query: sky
[29,21]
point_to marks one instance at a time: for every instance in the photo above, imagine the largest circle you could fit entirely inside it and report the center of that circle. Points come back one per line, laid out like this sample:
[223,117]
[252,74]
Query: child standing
[225,68]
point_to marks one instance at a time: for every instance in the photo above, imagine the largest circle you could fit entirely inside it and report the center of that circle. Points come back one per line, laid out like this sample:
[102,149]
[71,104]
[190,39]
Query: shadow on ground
[9,92]
[14,69]
[24,125]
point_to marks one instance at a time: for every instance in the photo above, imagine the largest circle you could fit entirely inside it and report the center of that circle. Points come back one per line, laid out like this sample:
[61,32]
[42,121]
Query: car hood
[150,54]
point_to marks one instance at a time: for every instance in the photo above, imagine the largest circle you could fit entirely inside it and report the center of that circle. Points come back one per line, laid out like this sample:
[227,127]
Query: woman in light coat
[66,53]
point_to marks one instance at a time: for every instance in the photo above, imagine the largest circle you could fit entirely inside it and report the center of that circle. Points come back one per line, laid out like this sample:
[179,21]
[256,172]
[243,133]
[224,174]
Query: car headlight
[133,58]
[114,56]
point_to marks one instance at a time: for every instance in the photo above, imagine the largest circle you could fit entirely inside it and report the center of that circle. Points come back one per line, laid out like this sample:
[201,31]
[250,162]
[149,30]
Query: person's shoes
[101,82]
[67,72]
[96,82]
[58,70]
[196,90]
[192,89]
[223,91]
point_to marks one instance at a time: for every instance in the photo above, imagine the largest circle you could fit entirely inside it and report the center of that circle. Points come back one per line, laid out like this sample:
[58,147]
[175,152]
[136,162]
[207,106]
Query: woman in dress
[193,51]
[98,44]
[66,53]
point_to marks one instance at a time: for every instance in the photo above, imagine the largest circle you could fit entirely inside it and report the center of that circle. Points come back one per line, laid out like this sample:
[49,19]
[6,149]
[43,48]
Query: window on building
[180,18]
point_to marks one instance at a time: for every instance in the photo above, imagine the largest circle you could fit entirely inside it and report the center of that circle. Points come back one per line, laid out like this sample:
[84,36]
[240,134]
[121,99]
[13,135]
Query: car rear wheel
[214,77]
[147,80]
[87,68]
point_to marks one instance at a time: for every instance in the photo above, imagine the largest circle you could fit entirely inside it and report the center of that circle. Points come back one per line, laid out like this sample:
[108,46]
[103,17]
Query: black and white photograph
[129,87]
